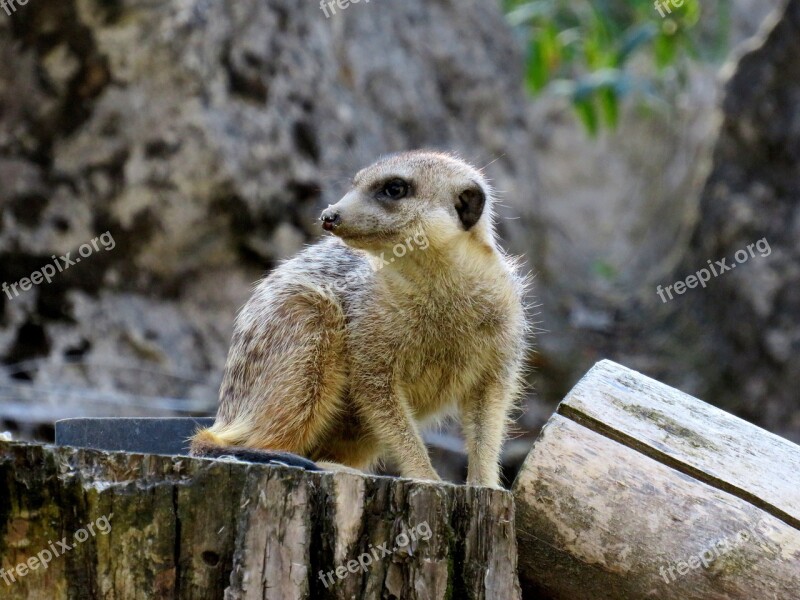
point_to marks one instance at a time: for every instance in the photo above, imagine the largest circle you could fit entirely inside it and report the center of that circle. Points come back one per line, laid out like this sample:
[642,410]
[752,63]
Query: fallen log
[636,490]
[90,524]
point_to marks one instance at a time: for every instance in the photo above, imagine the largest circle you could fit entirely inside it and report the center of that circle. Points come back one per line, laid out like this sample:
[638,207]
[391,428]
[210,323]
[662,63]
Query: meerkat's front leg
[484,416]
[388,416]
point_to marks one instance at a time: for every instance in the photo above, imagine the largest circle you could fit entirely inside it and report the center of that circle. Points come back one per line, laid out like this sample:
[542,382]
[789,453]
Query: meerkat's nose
[330,219]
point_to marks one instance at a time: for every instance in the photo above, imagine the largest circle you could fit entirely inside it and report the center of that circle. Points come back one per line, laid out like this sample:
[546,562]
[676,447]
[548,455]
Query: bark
[193,528]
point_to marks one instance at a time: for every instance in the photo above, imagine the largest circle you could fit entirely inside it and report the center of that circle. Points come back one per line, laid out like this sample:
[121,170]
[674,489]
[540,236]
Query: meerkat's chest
[443,346]
[436,376]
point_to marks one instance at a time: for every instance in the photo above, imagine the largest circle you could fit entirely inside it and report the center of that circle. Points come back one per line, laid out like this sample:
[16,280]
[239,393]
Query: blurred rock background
[207,137]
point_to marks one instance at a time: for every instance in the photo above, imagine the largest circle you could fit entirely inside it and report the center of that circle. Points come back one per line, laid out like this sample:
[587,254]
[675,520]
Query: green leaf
[583,48]
[609,103]
[550,48]
[587,113]
[664,49]
[537,73]
[593,51]
[604,269]
[690,16]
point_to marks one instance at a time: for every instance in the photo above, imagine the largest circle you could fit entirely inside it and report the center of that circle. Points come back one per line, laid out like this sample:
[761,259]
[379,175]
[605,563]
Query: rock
[755,308]
[652,203]
[206,138]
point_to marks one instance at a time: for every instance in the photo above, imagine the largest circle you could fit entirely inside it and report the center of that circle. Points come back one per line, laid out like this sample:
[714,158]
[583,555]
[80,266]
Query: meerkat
[409,312]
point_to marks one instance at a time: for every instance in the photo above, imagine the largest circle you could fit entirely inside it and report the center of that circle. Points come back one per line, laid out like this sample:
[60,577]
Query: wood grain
[632,478]
[691,435]
[195,528]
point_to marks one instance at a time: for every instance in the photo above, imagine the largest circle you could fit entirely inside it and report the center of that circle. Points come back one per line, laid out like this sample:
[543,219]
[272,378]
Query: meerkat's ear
[469,205]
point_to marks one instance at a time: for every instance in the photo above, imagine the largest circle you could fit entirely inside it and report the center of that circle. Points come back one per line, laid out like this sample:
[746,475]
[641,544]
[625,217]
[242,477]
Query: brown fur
[337,361]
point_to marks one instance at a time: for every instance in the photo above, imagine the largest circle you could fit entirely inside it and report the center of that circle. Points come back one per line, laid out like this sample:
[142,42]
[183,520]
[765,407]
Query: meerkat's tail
[207,444]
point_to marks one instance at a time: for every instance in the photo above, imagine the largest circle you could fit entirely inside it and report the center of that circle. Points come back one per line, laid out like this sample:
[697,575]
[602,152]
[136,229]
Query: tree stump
[636,490]
[92,524]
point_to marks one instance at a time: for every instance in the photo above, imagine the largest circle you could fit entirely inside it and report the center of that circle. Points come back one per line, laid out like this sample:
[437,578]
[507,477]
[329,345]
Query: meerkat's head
[429,193]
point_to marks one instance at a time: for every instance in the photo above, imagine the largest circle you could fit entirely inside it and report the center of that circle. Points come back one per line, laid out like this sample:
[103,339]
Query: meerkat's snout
[330,219]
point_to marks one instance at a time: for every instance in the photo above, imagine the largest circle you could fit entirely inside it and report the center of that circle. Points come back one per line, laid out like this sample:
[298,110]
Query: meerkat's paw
[491,486]
[427,479]
[338,468]
[428,476]
[494,485]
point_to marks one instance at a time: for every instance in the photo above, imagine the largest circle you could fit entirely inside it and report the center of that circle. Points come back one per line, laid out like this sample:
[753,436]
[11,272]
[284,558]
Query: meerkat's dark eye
[395,189]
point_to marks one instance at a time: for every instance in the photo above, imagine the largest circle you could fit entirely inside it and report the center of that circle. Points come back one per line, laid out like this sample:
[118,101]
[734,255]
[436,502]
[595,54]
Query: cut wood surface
[193,528]
[636,490]
[695,437]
